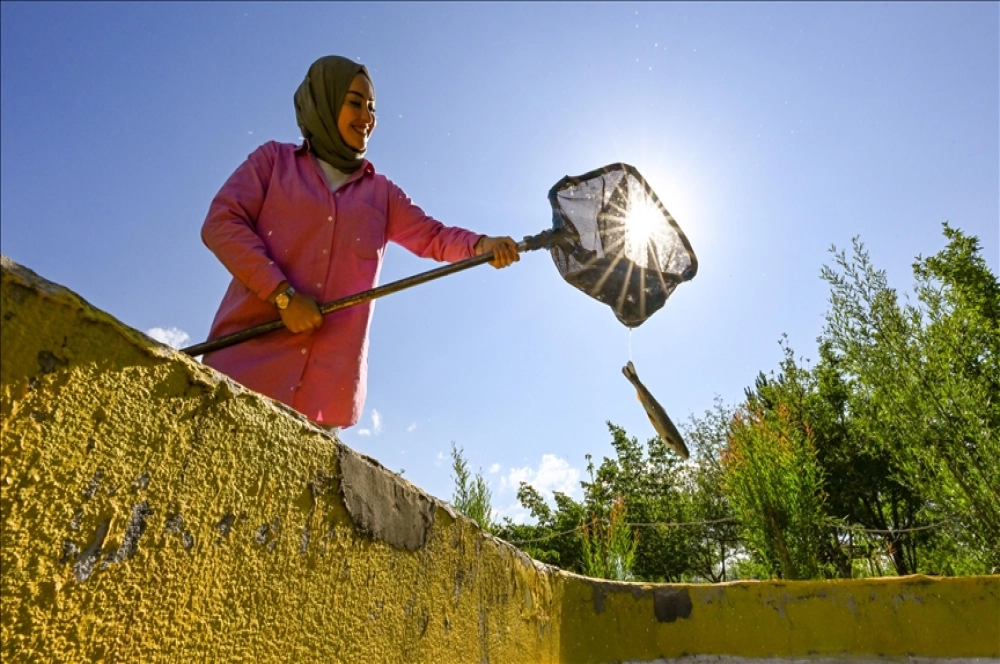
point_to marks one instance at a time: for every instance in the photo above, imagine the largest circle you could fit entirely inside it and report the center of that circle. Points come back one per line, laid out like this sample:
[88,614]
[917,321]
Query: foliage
[857,485]
[472,496]
[609,545]
[648,481]
[552,538]
[593,536]
[925,384]
[861,480]
[775,485]
[714,543]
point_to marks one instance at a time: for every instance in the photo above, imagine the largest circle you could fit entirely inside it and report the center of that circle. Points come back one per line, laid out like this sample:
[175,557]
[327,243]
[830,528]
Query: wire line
[669,524]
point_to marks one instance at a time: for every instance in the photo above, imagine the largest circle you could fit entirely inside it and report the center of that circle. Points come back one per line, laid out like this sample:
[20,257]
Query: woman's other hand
[504,250]
[301,314]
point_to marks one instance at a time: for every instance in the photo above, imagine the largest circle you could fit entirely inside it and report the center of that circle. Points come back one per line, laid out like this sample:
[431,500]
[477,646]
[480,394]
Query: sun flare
[643,220]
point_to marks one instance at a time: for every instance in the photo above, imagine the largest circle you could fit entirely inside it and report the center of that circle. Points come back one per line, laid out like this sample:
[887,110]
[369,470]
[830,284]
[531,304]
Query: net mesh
[618,243]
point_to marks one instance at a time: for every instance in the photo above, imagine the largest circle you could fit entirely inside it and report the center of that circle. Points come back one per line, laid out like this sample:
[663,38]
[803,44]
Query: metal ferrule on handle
[529,243]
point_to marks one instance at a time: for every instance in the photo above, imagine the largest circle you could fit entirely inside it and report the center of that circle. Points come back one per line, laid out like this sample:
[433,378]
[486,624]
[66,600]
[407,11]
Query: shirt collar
[366,166]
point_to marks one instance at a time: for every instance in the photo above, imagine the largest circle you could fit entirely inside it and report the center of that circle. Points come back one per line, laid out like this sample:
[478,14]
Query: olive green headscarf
[317,106]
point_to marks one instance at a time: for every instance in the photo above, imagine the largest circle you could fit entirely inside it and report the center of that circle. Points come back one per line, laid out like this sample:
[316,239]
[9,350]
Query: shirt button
[303,351]
[329,218]
[324,251]
[319,285]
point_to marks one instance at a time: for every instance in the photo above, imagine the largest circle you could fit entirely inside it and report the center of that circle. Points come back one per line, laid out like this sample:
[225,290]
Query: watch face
[284,299]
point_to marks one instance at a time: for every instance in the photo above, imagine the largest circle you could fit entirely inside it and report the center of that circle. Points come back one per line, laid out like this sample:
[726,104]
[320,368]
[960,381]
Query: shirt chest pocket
[361,229]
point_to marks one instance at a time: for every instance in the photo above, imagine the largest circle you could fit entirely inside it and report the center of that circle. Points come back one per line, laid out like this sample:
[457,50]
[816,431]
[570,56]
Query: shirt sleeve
[410,227]
[230,229]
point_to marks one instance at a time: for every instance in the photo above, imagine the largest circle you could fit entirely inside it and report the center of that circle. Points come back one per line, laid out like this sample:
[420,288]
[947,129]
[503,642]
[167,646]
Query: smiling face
[357,116]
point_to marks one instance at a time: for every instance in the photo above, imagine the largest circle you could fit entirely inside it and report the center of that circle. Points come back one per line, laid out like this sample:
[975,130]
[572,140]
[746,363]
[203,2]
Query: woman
[298,225]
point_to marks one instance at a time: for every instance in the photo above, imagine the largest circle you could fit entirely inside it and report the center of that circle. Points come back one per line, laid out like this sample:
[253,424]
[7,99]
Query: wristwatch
[284,298]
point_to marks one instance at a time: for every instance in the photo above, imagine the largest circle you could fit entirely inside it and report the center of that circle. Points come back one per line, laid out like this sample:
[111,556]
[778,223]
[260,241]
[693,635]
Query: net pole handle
[529,243]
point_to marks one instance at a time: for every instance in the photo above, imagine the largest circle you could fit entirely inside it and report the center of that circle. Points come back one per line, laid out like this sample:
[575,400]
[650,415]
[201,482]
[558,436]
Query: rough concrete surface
[155,511]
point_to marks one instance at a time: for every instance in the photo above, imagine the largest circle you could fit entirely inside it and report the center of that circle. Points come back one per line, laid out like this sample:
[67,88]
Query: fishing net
[617,243]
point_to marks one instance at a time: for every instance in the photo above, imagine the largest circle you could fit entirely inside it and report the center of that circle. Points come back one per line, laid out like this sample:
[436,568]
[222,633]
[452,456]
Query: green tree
[715,542]
[552,539]
[924,393]
[958,467]
[637,485]
[608,545]
[649,481]
[861,479]
[472,496]
[774,481]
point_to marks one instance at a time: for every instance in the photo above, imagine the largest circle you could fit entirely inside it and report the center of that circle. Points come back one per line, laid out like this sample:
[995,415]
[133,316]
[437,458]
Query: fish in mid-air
[657,416]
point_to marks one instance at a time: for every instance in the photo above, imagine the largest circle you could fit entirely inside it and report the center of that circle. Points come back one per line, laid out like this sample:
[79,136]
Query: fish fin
[629,370]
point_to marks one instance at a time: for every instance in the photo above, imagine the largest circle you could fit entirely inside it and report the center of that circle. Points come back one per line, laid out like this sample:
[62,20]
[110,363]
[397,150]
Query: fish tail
[629,371]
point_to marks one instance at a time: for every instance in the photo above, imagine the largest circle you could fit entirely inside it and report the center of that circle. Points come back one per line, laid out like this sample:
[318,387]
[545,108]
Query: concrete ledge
[153,510]
[848,620]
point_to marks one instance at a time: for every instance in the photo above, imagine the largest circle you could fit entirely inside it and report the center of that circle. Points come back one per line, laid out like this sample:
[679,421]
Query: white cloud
[552,474]
[440,459]
[515,512]
[514,478]
[411,428]
[172,336]
[376,428]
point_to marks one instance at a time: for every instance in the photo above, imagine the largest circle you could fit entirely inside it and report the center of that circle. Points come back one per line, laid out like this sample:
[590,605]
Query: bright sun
[643,221]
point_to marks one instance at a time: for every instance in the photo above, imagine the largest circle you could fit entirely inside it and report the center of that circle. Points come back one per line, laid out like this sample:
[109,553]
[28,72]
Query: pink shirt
[276,219]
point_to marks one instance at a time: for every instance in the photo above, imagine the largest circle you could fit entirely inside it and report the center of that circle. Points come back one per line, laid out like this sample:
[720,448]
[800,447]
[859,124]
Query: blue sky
[771,131]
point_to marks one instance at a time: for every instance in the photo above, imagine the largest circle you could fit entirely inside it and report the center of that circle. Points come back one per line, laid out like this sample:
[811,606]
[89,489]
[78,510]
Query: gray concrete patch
[382,505]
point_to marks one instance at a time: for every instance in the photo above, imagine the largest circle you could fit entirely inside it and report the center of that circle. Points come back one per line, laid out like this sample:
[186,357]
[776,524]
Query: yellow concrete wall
[154,510]
[848,619]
